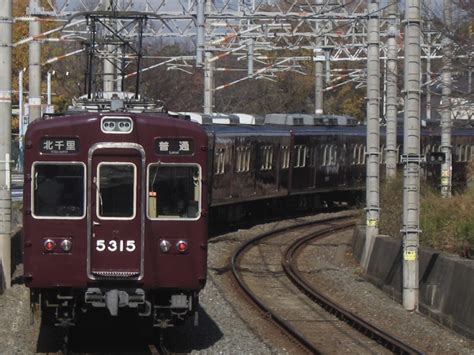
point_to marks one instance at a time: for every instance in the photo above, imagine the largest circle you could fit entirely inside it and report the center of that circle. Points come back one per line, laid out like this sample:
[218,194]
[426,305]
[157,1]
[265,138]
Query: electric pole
[392,92]
[208,70]
[446,167]
[6,20]
[34,72]
[411,155]
[373,130]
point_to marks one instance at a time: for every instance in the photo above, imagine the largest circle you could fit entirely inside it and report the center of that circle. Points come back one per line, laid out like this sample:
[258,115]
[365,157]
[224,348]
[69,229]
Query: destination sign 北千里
[53,145]
[174,146]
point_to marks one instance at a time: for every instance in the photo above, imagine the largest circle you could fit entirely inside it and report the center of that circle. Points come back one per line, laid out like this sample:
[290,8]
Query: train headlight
[182,246]
[165,246]
[49,245]
[66,245]
[108,126]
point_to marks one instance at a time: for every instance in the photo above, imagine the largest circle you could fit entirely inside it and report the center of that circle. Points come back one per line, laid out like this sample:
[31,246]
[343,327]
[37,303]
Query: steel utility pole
[373,130]
[446,167]
[34,98]
[411,155]
[6,19]
[392,91]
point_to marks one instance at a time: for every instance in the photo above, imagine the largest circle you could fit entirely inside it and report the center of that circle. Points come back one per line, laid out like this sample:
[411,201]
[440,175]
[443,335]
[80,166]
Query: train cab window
[174,191]
[58,190]
[285,157]
[116,190]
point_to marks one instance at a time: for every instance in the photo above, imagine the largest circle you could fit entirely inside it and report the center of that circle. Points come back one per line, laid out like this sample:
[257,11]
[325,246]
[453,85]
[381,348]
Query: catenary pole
[6,19]
[411,155]
[446,167]
[208,73]
[318,82]
[373,128]
[34,72]
[428,65]
[392,92]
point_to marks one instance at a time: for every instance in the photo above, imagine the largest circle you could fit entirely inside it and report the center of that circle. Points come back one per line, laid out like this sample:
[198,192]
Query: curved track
[298,328]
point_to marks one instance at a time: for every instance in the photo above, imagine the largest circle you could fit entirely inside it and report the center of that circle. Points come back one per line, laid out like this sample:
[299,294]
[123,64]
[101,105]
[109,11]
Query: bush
[446,223]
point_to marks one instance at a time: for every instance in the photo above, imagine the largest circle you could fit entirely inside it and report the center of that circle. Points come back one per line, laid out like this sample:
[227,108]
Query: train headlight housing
[49,245]
[165,246]
[66,245]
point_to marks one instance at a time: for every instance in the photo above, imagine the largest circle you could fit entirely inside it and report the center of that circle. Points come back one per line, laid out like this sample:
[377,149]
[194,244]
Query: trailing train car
[115,215]
[291,161]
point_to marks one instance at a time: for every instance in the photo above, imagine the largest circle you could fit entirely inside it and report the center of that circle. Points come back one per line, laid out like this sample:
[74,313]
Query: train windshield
[116,191]
[174,191]
[58,190]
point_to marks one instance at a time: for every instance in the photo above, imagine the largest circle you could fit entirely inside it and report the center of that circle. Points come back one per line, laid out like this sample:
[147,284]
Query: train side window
[301,153]
[325,155]
[312,156]
[285,157]
[266,157]
[220,161]
[116,190]
[58,190]
[467,152]
[332,155]
[354,154]
[361,154]
[242,163]
[457,153]
[174,191]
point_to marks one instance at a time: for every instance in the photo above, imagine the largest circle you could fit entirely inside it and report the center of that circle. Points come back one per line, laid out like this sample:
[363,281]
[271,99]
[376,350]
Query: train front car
[115,213]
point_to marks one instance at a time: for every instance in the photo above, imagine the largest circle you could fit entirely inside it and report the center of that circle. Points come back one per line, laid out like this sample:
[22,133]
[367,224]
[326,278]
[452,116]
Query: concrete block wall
[446,282]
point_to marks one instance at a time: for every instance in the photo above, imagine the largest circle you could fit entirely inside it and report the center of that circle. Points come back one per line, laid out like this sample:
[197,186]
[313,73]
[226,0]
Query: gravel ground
[228,324]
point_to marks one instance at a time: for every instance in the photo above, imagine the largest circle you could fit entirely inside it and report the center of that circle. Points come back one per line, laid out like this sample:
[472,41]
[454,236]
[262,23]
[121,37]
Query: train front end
[115,216]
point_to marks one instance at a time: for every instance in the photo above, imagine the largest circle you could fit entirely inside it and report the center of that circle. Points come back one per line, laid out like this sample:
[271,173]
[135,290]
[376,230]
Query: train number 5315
[115,245]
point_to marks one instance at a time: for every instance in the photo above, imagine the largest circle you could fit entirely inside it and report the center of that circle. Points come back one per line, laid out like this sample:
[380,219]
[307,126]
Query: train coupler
[114,299]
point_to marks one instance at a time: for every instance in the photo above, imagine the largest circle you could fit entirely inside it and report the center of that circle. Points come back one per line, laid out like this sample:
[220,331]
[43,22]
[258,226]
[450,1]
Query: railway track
[311,327]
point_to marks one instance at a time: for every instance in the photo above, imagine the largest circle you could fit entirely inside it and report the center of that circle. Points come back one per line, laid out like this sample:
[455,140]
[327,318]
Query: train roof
[271,129]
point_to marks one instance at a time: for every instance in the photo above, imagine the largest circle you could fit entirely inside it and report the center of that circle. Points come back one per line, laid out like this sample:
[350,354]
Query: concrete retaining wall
[446,282]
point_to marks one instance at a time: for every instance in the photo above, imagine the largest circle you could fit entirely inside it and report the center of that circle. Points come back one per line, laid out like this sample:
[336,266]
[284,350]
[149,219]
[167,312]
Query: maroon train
[116,204]
[115,209]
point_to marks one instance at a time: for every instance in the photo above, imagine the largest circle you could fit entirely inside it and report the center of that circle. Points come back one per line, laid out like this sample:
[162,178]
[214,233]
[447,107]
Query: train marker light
[66,245]
[49,245]
[165,246]
[182,246]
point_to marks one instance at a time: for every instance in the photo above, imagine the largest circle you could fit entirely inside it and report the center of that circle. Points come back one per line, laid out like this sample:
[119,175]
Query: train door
[116,212]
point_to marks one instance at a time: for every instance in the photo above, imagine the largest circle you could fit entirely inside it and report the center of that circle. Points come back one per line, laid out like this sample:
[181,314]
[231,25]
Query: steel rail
[300,338]
[289,265]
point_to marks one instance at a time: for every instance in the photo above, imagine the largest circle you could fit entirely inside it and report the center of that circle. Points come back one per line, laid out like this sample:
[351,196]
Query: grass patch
[447,224]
